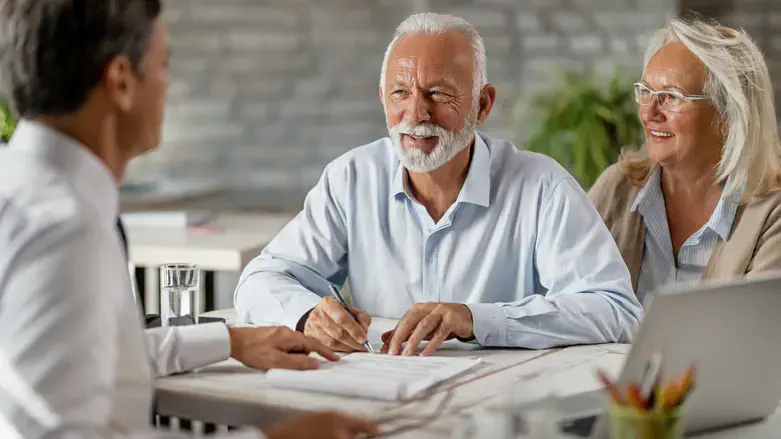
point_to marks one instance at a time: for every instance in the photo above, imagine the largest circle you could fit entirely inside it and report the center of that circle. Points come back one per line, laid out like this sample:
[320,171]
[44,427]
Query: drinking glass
[179,294]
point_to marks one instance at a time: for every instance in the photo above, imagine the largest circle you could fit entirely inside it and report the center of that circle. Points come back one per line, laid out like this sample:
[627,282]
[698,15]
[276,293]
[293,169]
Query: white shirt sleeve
[59,331]
[58,322]
[177,349]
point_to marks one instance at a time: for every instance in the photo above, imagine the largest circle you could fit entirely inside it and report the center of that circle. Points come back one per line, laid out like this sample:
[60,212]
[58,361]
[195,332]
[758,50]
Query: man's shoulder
[613,190]
[614,175]
[34,199]
[521,166]
[365,160]
[379,151]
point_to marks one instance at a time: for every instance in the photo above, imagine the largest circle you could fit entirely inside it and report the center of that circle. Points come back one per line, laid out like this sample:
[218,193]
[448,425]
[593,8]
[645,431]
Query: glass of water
[179,294]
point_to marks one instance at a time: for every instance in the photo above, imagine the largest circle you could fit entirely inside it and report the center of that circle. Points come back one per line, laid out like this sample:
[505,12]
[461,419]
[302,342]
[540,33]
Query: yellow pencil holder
[631,423]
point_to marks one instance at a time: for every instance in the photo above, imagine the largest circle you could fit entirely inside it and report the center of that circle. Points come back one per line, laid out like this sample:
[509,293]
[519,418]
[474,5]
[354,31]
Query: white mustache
[422,130]
[448,145]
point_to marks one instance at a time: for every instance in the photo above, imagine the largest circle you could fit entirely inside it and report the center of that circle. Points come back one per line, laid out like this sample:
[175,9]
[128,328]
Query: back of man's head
[53,53]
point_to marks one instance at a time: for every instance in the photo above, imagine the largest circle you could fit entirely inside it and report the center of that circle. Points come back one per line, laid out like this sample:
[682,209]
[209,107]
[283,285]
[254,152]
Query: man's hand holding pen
[331,324]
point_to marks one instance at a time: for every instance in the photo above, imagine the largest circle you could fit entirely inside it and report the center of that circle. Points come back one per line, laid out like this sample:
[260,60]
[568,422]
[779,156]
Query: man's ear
[120,82]
[382,95]
[486,102]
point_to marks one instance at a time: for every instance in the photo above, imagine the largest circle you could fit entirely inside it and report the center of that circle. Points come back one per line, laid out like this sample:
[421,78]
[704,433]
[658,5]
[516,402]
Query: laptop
[730,329]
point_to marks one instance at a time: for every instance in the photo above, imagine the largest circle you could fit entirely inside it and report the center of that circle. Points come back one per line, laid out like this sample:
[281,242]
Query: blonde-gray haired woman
[700,199]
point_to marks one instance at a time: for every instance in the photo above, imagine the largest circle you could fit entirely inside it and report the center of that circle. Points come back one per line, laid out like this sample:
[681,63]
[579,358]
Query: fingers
[338,346]
[339,334]
[349,331]
[289,341]
[321,326]
[356,426]
[425,327]
[310,344]
[283,360]
[333,343]
[404,329]
[366,427]
[386,336]
[329,425]
[386,339]
[364,318]
[318,332]
[439,337]
[321,332]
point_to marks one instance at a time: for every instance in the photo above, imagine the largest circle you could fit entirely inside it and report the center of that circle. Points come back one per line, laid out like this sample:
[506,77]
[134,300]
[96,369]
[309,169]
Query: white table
[226,245]
[229,393]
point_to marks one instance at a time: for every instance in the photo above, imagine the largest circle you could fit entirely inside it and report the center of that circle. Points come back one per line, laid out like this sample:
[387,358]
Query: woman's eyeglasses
[668,100]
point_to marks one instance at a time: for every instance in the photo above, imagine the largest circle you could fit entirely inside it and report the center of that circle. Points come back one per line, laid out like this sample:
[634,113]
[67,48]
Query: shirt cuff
[204,344]
[294,311]
[488,324]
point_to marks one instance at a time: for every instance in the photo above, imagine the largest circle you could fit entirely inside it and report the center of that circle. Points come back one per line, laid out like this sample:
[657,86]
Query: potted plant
[7,122]
[584,123]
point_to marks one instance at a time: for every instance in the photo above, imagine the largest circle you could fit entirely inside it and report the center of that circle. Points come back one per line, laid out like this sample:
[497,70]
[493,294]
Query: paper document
[376,376]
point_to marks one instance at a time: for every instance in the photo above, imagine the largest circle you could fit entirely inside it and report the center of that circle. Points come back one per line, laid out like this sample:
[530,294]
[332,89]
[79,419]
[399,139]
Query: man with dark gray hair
[88,79]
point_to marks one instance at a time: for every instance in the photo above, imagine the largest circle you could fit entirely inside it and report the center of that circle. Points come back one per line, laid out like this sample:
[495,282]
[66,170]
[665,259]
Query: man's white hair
[739,86]
[438,24]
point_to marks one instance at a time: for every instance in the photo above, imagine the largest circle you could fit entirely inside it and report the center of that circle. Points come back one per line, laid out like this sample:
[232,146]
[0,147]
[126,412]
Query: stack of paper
[376,376]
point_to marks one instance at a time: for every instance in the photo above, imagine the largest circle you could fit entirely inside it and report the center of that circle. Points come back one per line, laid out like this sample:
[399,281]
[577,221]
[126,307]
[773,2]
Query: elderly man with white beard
[457,234]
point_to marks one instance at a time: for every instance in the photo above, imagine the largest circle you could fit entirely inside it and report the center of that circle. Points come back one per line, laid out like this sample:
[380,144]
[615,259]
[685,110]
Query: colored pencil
[612,389]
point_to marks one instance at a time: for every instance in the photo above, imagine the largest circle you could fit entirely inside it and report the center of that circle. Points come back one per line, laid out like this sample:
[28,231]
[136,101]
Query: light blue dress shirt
[659,267]
[522,246]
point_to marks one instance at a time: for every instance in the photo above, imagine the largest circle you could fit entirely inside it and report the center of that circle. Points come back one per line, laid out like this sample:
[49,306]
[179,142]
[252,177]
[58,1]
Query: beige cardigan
[753,246]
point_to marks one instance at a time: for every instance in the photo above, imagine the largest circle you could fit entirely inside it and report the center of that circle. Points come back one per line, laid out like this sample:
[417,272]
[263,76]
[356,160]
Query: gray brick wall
[760,18]
[264,93]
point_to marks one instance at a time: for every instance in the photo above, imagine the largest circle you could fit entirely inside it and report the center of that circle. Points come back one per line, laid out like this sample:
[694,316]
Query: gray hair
[437,24]
[738,84]
[53,52]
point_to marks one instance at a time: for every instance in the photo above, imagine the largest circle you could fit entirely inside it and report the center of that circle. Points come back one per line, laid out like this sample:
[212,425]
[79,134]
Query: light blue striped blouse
[659,267]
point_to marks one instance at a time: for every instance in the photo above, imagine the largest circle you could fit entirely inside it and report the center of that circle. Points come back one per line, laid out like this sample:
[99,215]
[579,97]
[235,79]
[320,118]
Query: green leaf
[584,122]
[7,122]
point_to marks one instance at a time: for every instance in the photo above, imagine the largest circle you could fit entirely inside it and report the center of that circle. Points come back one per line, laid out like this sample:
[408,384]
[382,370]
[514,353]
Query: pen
[338,297]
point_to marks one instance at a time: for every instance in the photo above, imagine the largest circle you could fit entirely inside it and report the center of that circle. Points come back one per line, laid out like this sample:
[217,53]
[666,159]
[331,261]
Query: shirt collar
[477,186]
[720,220]
[88,175]
[649,194]
[724,215]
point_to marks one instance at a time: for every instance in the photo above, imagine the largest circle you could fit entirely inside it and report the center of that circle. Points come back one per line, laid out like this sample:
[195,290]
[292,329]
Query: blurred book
[172,218]
[162,194]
